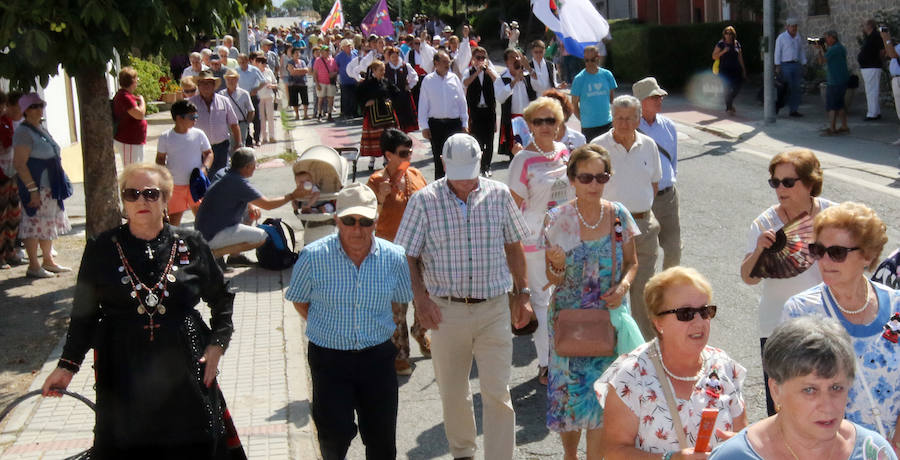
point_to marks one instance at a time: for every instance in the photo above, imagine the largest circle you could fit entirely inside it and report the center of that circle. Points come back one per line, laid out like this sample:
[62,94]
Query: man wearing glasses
[345,285]
[542,72]
[479,82]
[593,90]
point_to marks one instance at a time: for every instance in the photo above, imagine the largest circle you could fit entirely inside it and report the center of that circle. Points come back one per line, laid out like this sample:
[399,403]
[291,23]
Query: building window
[819,8]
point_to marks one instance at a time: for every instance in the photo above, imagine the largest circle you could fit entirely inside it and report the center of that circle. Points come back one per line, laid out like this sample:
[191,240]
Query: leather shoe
[796,114]
[56,268]
[876,117]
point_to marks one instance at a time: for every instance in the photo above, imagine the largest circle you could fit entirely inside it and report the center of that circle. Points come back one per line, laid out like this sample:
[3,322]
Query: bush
[673,54]
[149,73]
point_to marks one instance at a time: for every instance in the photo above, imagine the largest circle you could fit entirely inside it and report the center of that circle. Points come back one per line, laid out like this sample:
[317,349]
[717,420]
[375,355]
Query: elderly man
[196,66]
[270,55]
[790,57]
[240,102]
[216,119]
[251,80]
[347,83]
[871,60]
[593,90]
[834,56]
[514,91]
[218,70]
[228,42]
[442,108]
[220,218]
[662,130]
[634,183]
[463,236]
[351,357]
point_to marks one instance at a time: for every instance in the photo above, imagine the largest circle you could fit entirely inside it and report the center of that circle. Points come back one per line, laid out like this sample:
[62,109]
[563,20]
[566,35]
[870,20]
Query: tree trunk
[100,196]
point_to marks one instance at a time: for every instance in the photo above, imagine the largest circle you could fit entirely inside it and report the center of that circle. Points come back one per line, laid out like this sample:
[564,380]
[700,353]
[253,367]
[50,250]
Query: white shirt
[411,76]
[789,48]
[634,171]
[266,92]
[240,102]
[190,72]
[459,60]
[895,63]
[442,97]
[518,92]
[481,79]
[540,77]
[184,152]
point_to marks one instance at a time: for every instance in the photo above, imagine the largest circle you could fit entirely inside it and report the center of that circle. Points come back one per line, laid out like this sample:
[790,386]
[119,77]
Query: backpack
[276,253]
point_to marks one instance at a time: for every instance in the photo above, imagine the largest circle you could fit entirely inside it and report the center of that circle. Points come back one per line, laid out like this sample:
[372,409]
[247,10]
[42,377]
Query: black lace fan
[789,255]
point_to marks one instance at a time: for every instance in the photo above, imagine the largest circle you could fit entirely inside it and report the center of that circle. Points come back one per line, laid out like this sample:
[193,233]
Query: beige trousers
[481,331]
[647,251]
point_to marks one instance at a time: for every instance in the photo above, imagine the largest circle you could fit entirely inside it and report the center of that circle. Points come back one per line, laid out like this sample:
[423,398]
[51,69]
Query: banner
[378,21]
[335,18]
[577,23]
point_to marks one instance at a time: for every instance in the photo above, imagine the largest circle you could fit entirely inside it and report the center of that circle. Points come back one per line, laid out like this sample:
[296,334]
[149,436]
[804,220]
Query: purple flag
[378,21]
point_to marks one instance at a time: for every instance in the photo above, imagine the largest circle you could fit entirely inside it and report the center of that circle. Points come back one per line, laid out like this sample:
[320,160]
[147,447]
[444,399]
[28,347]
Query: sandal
[543,375]
[828,132]
[843,131]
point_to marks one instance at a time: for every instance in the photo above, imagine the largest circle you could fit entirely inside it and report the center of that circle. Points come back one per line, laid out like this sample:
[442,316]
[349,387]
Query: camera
[816,41]
[883,29]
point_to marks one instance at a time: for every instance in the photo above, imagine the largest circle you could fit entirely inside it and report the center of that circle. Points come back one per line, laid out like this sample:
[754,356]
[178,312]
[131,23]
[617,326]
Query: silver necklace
[678,377]
[847,311]
[546,155]
[583,222]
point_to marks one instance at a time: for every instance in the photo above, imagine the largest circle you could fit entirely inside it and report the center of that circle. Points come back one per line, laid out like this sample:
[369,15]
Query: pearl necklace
[546,155]
[678,377]
[851,312]
[583,222]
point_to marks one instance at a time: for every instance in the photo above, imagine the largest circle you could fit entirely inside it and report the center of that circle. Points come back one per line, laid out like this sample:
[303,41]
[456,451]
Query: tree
[36,36]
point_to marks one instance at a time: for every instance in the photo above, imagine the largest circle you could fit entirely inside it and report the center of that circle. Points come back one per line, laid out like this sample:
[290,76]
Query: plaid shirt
[462,250]
[350,308]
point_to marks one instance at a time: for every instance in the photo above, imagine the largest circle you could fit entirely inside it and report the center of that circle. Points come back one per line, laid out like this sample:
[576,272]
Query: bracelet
[668,455]
[32,190]
[554,271]
[30,183]
[68,365]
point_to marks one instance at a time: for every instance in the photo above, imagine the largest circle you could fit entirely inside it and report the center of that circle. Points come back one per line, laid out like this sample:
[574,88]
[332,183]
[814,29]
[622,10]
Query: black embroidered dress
[151,398]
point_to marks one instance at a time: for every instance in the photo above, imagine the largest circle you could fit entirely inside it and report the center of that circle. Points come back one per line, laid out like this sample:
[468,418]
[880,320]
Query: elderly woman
[654,396]
[129,110]
[811,367]
[731,65]
[849,239]
[189,87]
[797,179]
[403,77]
[373,95]
[155,356]
[570,138]
[537,181]
[592,260]
[43,185]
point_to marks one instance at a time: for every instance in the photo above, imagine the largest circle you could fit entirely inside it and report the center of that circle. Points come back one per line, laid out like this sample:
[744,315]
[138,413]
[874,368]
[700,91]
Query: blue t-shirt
[250,79]
[343,59]
[836,61]
[224,204]
[593,91]
[867,443]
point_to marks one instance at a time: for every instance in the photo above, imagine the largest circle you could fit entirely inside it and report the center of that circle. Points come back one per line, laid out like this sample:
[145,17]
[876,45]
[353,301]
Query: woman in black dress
[374,96]
[155,358]
[731,65]
[403,77]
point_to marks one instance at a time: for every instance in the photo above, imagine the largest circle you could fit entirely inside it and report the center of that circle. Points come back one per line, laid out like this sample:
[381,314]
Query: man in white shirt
[442,108]
[637,172]
[479,81]
[196,66]
[892,51]
[542,72]
[790,57]
[514,92]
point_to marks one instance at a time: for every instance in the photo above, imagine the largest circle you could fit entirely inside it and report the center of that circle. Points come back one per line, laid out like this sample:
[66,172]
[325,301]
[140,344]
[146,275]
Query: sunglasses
[350,221]
[189,91]
[544,121]
[36,106]
[836,253]
[191,116]
[788,182]
[586,178]
[404,153]
[132,194]
[596,59]
[687,313]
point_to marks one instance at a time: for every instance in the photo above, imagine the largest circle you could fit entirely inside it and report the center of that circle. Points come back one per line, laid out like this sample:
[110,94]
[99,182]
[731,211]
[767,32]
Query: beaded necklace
[692,378]
[150,304]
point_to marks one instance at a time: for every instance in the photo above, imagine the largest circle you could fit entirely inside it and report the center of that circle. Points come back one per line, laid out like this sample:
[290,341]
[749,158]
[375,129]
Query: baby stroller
[329,169]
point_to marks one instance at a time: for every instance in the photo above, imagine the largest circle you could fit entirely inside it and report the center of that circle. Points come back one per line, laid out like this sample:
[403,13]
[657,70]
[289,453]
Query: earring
[777,407]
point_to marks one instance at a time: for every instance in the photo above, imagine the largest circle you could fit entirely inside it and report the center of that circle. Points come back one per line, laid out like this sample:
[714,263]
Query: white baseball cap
[357,198]
[462,157]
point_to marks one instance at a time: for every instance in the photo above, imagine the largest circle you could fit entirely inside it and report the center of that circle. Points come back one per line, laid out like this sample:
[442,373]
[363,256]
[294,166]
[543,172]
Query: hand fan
[789,255]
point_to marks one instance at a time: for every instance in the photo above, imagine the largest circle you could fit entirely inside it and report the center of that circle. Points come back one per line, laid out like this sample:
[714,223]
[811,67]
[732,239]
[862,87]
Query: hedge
[673,54]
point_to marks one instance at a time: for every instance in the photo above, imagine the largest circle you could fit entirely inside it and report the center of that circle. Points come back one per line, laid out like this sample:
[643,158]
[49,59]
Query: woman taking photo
[538,182]
[811,368]
[43,185]
[654,396]
[403,77]
[155,357]
[849,239]
[731,65]
[591,259]
[374,95]
[796,177]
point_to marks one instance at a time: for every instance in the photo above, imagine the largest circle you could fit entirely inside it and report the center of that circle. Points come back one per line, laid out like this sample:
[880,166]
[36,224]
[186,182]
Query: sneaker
[239,260]
[56,268]
[39,273]
[402,367]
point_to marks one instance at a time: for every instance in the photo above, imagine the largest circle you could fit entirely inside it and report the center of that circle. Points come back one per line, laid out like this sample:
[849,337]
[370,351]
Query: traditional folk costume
[522,95]
[404,78]
[10,212]
[380,91]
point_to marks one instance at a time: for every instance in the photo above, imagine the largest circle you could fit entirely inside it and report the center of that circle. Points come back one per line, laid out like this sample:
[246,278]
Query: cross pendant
[149,252]
[151,327]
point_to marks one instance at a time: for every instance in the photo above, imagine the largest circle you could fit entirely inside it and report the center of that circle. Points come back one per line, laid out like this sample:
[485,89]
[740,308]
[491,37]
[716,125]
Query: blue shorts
[834,97]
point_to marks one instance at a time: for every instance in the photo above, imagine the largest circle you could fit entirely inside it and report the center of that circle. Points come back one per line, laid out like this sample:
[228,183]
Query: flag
[335,18]
[577,23]
[378,21]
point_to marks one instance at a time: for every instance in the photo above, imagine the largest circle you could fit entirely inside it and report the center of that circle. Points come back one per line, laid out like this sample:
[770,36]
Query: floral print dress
[571,401]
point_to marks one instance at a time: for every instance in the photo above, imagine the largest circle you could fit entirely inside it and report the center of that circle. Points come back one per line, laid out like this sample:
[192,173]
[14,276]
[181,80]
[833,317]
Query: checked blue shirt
[350,308]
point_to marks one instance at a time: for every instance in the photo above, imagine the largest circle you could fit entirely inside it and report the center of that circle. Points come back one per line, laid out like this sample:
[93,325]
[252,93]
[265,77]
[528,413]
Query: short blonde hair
[865,227]
[127,76]
[376,64]
[166,184]
[807,165]
[544,102]
[656,287]
[189,82]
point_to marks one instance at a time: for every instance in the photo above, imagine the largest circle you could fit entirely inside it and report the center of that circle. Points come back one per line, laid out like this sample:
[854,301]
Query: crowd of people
[568,245]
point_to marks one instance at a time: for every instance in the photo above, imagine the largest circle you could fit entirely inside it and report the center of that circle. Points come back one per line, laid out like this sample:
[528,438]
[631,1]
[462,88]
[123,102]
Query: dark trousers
[591,133]
[733,83]
[363,382]
[441,129]
[220,156]
[348,101]
[770,404]
[255,101]
[483,122]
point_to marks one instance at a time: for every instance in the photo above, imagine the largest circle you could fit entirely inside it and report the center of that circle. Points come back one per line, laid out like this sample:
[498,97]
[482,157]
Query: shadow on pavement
[298,412]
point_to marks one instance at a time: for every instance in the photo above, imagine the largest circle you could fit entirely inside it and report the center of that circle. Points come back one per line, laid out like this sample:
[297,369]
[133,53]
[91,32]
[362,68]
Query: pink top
[322,68]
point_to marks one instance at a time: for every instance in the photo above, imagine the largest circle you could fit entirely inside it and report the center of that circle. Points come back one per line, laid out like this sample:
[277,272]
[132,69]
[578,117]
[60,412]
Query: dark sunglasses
[544,121]
[586,178]
[404,153]
[788,182]
[596,59]
[189,91]
[191,116]
[350,221]
[687,313]
[836,253]
[36,106]
[132,194]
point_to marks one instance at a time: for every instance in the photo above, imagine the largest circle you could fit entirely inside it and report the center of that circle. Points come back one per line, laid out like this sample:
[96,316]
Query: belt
[640,215]
[665,190]
[789,62]
[466,300]
[443,120]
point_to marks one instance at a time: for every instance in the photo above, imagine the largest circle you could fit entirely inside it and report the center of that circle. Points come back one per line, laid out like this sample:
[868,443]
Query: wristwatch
[525,291]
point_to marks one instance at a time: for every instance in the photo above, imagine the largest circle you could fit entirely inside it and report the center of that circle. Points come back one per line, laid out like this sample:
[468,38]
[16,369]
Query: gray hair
[809,345]
[222,48]
[833,34]
[195,56]
[205,52]
[242,157]
[626,101]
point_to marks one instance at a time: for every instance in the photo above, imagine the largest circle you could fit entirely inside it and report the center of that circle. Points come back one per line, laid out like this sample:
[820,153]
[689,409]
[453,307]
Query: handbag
[715,68]
[381,114]
[581,332]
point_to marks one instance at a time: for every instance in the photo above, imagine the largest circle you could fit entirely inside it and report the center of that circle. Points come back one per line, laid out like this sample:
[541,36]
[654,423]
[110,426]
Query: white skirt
[47,223]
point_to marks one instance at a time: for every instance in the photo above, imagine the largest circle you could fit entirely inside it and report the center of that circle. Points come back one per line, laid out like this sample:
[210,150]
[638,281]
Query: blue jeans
[792,75]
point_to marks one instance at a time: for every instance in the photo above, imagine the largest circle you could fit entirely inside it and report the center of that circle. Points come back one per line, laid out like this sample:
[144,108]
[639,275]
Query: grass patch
[288,156]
